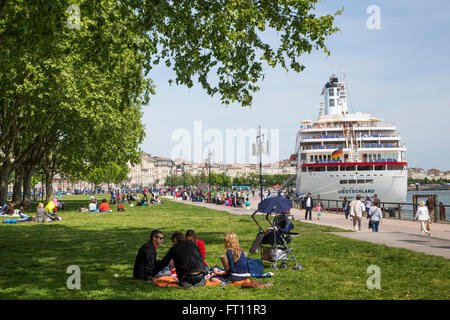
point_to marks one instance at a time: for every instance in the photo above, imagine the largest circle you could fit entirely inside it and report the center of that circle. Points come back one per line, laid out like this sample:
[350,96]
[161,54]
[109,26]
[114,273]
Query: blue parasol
[275,204]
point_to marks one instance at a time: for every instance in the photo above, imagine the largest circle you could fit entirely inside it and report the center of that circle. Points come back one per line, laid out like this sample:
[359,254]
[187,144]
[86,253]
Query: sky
[399,72]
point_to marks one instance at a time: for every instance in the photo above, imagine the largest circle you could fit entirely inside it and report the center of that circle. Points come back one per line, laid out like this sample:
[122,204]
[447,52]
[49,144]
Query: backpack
[120,207]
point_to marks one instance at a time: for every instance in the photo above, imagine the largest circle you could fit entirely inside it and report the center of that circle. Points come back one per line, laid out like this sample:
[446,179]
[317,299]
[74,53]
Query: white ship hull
[389,186]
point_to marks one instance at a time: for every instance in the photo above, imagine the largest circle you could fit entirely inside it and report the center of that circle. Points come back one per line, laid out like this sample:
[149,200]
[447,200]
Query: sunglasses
[159,237]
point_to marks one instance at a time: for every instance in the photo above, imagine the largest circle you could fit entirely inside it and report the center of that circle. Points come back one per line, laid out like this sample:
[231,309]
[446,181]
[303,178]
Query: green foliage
[63,89]
[428,181]
[223,180]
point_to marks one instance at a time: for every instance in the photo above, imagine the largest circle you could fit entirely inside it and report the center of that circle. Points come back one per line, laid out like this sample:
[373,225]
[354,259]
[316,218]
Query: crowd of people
[186,259]
[356,209]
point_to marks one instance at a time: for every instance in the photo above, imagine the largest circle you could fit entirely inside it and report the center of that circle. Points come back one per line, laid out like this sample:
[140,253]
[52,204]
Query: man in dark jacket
[188,261]
[145,264]
[309,204]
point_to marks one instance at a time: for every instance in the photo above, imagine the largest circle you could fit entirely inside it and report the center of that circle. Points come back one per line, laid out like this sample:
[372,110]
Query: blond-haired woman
[423,217]
[41,214]
[234,262]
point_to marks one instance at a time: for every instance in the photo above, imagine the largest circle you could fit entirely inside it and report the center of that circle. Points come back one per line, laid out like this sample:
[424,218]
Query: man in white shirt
[93,206]
[359,208]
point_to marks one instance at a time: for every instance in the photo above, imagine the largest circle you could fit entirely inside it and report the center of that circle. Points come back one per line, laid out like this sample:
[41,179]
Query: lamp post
[260,148]
[184,175]
[209,161]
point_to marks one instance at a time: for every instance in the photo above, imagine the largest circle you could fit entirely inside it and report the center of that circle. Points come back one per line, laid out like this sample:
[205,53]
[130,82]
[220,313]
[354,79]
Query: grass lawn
[34,258]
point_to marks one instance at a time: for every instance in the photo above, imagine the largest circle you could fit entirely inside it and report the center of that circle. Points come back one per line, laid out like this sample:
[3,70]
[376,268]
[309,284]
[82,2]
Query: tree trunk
[17,189]
[27,173]
[49,192]
[5,172]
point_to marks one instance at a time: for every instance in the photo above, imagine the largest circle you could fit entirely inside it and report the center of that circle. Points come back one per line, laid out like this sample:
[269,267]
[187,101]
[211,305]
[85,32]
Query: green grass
[34,258]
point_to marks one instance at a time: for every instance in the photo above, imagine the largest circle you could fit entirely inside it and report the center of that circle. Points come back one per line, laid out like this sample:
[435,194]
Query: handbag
[428,226]
[370,224]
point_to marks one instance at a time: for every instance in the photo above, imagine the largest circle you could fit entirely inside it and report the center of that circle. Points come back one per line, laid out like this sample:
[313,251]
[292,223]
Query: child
[247,204]
[318,210]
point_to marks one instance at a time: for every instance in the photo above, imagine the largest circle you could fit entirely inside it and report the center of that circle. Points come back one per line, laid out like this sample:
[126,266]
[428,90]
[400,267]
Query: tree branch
[3,4]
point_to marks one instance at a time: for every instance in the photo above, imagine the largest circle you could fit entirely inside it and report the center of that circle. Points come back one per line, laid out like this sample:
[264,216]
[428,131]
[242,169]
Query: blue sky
[400,73]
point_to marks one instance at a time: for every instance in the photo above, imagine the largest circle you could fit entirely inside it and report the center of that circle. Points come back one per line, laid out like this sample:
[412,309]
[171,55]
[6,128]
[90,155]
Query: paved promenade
[392,232]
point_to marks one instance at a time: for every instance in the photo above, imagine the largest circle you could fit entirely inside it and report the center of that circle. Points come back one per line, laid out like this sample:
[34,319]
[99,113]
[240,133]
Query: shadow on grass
[35,259]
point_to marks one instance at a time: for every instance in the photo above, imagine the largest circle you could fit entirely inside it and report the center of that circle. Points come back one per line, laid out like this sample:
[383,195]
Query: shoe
[201,283]
[255,284]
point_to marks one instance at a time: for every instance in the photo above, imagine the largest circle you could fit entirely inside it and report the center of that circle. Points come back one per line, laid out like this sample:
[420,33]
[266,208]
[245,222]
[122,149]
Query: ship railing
[439,212]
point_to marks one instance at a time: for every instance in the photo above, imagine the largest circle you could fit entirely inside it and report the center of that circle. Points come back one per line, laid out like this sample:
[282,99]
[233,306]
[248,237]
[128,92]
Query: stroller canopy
[276,204]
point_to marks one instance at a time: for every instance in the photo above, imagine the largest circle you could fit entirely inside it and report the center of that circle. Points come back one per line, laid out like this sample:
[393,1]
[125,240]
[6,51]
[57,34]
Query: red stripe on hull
[353,164]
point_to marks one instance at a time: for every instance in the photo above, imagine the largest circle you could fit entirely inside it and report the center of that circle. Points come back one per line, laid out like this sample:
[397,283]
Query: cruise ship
[344,154]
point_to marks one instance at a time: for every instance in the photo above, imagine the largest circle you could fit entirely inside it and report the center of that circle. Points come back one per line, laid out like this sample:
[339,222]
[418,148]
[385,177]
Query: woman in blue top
[375,216]
[234,263]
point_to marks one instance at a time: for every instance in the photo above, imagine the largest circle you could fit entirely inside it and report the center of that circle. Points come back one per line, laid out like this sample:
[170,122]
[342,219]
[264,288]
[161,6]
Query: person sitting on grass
[104,206]
[93,206]
[192,236]
[4,209]
[145,263]
[188,262]
[43,216]
[234,262]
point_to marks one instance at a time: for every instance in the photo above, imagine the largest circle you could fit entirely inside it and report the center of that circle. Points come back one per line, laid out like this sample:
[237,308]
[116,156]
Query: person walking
[375,216]
[375,198]
[359,208]
[368,205]
[346,206]
[423,216]
[318,209]
[308,206]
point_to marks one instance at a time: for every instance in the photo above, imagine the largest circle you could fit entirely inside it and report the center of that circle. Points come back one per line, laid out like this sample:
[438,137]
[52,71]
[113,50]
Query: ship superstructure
[369,155]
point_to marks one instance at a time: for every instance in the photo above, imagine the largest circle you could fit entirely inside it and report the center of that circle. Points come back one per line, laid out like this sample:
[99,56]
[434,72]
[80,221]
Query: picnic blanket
[169,281]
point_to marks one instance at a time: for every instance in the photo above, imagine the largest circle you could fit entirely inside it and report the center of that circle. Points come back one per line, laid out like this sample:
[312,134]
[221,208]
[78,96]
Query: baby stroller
[274,244]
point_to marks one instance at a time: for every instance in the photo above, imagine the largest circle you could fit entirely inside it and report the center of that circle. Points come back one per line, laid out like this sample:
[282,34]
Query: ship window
[331,103]
[317,169]
[350,168]
[343,182]
[332,168]
[331,91]
[351,181]
[360,181]
[395,167]
[304,169]
[380,167]
[369,181]
[365,168]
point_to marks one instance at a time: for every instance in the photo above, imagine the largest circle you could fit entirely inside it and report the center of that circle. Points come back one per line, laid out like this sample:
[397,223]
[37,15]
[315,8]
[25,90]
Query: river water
[443,195]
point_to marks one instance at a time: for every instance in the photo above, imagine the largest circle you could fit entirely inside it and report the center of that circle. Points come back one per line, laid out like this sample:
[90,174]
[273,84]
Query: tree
[64,90]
